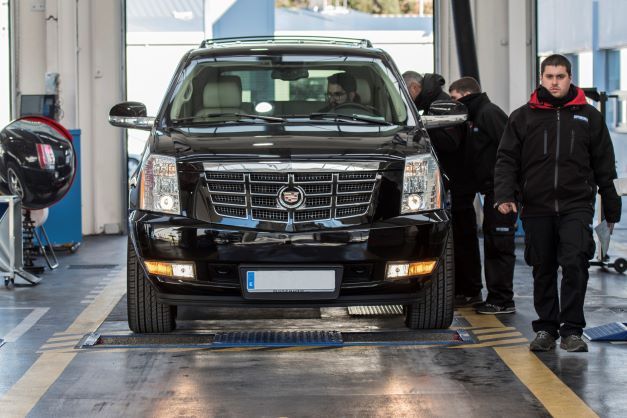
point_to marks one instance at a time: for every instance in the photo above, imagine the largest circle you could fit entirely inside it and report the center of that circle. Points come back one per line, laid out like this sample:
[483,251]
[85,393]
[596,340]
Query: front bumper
[219,251]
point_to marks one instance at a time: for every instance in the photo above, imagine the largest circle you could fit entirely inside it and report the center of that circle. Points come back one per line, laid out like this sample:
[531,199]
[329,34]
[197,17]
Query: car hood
[269,142]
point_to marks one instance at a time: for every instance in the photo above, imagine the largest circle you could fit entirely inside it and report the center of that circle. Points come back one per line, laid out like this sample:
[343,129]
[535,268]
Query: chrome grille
[317,188]
[271,189]
[345,212]
[317,201]
[354,187]
[312,215]
[351,199]
[270,215]
[368,175]
[264,201]
[229,199]
[327,195]
[313,177]
[226,187]
[225,176]
[269,177]
[230,211]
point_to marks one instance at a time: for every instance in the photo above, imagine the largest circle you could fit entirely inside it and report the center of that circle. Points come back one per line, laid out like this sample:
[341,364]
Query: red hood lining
[579,100]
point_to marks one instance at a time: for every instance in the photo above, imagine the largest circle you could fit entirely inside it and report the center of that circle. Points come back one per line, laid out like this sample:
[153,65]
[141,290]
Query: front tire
[145,313]
[435,306]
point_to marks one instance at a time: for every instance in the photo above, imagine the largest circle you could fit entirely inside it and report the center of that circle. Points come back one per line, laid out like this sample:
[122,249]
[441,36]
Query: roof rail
[223,42]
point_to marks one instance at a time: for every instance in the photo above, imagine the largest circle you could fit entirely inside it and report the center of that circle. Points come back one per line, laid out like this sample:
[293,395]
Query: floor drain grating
[384,310]
[278,338]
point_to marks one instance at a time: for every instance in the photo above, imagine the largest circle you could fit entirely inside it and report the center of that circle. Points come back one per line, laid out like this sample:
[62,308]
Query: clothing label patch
[583,118]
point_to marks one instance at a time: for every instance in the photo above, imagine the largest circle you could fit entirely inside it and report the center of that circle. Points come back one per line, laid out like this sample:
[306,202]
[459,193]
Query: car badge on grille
[291,197]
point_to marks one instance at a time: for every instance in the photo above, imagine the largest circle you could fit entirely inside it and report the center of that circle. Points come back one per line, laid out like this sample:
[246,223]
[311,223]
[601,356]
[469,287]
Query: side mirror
[444,113]
[131,115]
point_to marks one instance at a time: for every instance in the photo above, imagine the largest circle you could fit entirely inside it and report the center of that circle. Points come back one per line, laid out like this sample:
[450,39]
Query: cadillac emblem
[291,197]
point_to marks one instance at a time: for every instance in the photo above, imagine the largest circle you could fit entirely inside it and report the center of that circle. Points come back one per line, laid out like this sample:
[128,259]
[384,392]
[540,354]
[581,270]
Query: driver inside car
[341,89]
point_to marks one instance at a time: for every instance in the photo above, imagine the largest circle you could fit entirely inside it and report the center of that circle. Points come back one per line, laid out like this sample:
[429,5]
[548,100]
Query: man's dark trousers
[499,253]
[553,241]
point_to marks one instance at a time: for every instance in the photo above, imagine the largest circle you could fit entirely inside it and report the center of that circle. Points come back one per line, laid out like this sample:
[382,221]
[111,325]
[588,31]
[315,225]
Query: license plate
[290,281]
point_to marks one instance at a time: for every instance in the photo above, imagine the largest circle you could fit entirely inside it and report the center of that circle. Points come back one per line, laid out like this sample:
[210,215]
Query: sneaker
[490,309]
[543,342]
[574,344]
[462,301]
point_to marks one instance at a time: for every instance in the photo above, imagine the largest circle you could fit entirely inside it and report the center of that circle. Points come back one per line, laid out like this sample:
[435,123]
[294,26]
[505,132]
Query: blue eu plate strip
[250,278]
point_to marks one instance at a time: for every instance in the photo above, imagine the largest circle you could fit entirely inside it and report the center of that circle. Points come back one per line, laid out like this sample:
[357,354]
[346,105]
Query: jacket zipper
[545,141]
[572,140]
[557,156]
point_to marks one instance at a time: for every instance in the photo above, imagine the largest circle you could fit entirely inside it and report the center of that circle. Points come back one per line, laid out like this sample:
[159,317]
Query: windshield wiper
[208,117]
[355,117]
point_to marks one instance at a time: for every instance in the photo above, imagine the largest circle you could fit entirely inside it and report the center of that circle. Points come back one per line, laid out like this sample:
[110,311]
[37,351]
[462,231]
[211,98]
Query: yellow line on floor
[60,344]
[502,335]
[489,330]
[492,343]
[300,348]
[558,399]
[24,395]
[236,349]
[73,338]
[67,334]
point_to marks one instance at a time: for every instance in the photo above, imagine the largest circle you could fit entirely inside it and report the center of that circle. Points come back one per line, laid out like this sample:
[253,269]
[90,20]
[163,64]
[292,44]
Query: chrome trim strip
[292,166]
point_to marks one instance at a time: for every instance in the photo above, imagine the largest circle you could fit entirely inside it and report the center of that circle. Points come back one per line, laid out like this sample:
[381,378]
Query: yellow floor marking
[499,336]
[482,321]
[61,344]
[492,343]
[67,334]
[558,399]
[236,349]
[489,330]
[64,338]
[24,395]
[300,348]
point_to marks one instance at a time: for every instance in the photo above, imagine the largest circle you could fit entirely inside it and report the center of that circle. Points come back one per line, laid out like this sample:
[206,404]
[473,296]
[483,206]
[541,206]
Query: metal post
[465,38]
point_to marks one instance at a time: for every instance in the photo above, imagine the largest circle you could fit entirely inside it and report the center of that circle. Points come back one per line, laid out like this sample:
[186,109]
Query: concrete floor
[42,374]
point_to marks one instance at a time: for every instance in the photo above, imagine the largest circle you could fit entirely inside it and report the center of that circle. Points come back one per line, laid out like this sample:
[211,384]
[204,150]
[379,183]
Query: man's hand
[507,207]
[610,226]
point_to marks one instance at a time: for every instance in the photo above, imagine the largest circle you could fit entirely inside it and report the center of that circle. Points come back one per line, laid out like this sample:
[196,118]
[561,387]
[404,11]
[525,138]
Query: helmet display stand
[11,250]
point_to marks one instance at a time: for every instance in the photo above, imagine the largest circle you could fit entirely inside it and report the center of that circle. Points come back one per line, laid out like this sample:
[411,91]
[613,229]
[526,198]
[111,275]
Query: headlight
[421,185]
[159,186]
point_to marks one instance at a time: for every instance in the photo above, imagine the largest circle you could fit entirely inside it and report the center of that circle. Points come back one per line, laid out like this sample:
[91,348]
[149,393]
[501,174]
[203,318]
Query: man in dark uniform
[449,148]
[486,123]
[556,152]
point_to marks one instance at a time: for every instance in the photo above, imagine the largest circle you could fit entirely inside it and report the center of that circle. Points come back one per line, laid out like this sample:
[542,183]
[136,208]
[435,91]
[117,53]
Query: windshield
[281,88]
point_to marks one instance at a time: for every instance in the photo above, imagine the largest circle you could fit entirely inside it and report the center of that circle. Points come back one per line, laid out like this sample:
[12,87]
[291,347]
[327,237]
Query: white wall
[504,37]
[5,70]
[82,41]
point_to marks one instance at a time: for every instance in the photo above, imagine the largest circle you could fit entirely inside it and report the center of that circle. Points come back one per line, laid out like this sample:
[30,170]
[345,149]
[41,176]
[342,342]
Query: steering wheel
[357,106]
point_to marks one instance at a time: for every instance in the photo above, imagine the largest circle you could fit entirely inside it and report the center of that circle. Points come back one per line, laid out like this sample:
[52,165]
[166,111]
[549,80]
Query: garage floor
[480,368]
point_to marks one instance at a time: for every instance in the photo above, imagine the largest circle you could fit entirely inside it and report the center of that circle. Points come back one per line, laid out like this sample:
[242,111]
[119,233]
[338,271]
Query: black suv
[287,172]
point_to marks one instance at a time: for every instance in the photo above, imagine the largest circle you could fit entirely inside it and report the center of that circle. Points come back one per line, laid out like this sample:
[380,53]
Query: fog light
[402,270]
[414,202]
[180,270]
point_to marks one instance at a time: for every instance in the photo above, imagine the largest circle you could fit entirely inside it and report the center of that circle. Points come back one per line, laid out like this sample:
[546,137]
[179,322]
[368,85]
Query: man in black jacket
[555,152]
[486,123]
[450,150]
